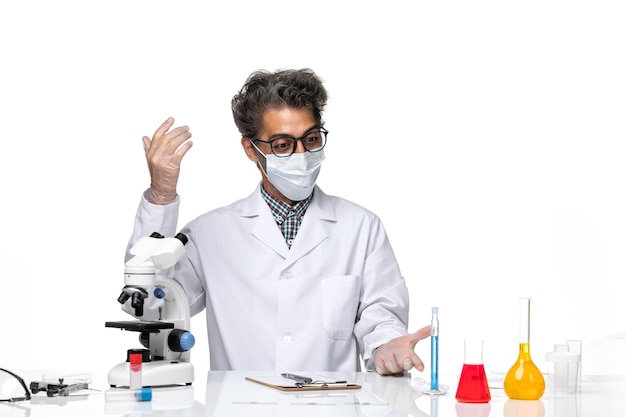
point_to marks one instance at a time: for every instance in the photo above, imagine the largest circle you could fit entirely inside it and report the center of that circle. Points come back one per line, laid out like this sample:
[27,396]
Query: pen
[298,378]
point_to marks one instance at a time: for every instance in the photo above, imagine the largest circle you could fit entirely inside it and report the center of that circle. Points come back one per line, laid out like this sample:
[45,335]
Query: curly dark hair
[265,90]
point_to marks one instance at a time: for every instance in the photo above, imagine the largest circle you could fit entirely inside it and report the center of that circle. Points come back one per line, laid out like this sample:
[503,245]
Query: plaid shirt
[288,218]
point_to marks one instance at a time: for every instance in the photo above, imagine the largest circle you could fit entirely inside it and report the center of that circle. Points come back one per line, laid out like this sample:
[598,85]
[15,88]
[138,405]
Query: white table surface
[228,394]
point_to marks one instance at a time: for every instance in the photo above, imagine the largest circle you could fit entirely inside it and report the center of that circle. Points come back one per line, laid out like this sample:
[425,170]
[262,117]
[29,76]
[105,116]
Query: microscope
[166,359]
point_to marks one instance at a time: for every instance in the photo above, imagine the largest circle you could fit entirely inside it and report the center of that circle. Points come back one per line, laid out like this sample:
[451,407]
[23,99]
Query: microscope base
[154,374]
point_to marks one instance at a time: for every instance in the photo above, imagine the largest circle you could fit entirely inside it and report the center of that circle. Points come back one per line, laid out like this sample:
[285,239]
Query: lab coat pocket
[340,300]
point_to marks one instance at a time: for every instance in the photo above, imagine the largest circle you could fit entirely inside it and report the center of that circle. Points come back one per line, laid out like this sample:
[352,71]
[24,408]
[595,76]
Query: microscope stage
[140,326]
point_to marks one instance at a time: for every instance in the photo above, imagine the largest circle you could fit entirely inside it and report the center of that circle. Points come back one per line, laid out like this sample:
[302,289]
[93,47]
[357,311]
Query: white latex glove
[164,153]
[399,355]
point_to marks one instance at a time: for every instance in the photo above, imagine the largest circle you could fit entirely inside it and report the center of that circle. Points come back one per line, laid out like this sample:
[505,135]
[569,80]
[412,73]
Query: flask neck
[524,321]
[473,352]
[524,350]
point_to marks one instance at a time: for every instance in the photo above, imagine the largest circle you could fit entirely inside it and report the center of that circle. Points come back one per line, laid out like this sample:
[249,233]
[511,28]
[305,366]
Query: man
[291,278]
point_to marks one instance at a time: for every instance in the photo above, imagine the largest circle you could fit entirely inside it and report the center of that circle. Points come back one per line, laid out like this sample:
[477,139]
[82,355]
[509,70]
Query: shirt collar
[280,209]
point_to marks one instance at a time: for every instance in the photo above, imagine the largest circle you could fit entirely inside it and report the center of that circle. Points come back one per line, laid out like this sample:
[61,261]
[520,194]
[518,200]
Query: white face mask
[294,176]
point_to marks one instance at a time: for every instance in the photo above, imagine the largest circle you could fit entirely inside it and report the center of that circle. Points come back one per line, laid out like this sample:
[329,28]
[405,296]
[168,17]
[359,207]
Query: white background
[487,135]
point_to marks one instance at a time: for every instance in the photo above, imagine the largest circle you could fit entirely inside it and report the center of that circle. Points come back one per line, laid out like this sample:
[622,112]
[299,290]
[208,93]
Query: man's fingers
[421,334]
[146,144]
[168,144]
[386,364]
[399,355]
[177,135]
[164,127]
[180,131]
[417,363]
[184,148]
[389,364]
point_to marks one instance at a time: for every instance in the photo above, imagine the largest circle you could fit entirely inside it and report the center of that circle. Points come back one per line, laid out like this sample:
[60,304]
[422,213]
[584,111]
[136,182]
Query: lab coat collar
[315,228]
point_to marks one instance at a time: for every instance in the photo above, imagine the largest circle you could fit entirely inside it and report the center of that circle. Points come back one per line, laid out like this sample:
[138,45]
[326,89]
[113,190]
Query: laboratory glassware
[563,378]
[434,355]
[434,349]
[473,386]
[524,381]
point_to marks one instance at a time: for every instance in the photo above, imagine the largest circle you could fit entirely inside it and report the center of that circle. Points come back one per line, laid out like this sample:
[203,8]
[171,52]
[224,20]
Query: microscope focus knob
[180,340]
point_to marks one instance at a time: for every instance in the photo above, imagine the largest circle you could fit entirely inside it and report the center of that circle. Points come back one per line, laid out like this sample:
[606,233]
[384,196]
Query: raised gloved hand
[399,355]
[164,153]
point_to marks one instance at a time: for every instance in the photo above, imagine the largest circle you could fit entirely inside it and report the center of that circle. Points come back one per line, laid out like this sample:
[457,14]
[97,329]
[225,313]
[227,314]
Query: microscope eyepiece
[182,238]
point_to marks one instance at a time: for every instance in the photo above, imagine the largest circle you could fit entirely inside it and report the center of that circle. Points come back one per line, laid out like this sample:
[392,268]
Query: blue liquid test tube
[434,350]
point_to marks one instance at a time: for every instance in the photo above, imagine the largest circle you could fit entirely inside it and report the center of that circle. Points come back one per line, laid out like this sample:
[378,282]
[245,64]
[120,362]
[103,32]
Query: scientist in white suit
[290,278]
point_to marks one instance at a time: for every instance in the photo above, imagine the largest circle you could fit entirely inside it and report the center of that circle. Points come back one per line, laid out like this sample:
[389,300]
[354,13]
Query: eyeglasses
[283,146]
[12,387]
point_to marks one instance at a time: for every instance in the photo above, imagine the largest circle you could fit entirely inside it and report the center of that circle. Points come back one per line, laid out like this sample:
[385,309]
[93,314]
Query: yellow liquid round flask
[524,381]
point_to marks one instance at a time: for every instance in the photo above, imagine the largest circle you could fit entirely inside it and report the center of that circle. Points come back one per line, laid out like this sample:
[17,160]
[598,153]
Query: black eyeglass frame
[21,381]
[322,130]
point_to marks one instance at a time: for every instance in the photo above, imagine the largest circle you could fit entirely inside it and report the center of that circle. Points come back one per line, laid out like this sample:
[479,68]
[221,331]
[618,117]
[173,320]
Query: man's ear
[249,149]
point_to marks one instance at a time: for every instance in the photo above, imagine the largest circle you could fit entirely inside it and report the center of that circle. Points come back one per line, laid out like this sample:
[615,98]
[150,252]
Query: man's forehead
[287,121]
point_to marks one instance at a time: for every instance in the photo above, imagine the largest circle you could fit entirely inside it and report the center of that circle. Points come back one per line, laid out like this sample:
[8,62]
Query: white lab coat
[336,294]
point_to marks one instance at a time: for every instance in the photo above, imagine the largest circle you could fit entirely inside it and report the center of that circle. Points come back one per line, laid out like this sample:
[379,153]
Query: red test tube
[135,371]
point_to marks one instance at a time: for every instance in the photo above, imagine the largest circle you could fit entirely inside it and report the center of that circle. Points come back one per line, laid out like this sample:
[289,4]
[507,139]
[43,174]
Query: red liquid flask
[473,386]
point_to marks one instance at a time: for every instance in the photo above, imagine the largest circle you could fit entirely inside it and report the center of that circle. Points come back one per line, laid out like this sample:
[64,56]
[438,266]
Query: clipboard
[284,384]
